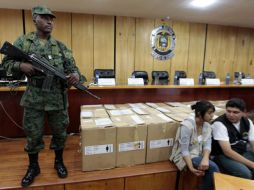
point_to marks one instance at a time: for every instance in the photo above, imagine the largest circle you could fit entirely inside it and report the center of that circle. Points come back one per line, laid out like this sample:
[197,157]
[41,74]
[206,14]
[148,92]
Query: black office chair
[178,75]
[237,75]
[3,74]
[141,74]
[162,77]
[209,74]
[103,73]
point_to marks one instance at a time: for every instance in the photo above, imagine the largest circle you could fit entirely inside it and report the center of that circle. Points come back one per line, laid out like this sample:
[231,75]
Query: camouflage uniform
[39,103]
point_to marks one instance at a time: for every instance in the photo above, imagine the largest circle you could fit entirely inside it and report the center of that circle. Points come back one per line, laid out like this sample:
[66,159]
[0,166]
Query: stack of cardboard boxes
[129,134]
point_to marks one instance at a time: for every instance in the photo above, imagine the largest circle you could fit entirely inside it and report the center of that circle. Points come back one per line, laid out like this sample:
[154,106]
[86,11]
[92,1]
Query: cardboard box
[120,112]
[161,132]
[93,113]
[116,106]
[98,146]
[131,140]
[179,117]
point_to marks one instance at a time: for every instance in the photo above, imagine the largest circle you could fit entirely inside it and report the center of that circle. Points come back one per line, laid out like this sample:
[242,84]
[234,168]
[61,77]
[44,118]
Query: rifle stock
[40,63]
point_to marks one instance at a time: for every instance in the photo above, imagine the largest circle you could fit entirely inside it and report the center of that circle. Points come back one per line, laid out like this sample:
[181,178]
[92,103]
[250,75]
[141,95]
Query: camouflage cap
[42,10]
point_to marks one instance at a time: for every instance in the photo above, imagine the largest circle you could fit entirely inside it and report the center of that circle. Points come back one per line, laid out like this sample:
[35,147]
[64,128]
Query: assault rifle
[42,65]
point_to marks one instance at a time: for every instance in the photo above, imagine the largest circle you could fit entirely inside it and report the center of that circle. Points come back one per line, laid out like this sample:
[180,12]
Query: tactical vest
[237,139]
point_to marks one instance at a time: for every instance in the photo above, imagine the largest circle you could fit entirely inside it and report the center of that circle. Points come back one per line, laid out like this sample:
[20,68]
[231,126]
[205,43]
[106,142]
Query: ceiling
[223,12]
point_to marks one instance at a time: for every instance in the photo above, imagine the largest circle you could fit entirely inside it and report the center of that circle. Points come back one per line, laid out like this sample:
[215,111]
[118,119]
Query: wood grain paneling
[242,50]
[196,50]
[82,43]
[98,185]
[220,50]
[61,30]
[159,65]
[143,57]
[159,181]
[250,67]
[125,48]
[179,61]
[11,26]
[103,42]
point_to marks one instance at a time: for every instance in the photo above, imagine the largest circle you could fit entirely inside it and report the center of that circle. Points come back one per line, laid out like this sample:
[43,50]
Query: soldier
[39,102]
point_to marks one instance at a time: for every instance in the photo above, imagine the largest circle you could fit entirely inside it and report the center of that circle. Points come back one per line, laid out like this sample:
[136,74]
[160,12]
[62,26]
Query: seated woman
[193,144]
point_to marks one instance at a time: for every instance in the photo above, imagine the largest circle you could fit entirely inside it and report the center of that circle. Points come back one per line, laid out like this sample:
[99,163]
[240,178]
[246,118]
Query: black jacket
[238,140]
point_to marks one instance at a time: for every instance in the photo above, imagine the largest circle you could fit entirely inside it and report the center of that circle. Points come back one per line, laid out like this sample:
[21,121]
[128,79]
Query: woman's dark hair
[236,103]
[201,107]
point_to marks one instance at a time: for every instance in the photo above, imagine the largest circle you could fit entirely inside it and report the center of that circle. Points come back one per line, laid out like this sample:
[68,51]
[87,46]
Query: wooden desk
[118,95]
[227,182]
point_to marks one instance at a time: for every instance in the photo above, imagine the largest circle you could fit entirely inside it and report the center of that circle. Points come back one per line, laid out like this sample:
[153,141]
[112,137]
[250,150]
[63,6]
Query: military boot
[32,171]
[59,165]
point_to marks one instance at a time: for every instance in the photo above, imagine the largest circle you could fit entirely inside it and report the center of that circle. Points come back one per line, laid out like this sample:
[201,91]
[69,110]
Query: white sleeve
[220,132]
[251,131]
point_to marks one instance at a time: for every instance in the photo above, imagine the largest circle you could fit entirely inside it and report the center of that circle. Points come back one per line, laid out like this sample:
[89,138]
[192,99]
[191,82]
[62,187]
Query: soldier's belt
[38,83]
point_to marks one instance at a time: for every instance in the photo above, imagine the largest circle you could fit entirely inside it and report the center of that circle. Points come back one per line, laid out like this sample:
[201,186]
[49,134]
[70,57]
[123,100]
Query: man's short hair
[236,103]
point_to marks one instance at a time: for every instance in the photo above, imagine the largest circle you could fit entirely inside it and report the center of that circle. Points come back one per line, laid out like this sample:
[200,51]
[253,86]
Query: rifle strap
[61,50]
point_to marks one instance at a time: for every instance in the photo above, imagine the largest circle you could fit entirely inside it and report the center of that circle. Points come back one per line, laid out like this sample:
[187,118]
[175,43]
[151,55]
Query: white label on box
[129,146]
[176,104]
[106,81]
[98,149]
[161,143]
[212,81]
[103,122]
[135,81]
[186,81]
[163,110]
[137,119]
[139,111]
[120,112]
[247,81]
[109,106]
[153,105]
[86,114]
[137,105]
[165,118]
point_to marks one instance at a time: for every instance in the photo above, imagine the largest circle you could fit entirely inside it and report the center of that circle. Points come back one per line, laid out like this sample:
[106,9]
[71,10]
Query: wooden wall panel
[117,184]
[242,50]
[250,66]
[125,48]
[180,59]
[159,65]
[213,42]
[227,49]
[61,30]
[196,50]
[82,43]
[103,42]
[11,26]
[220,50]
[159,181]
[143,57]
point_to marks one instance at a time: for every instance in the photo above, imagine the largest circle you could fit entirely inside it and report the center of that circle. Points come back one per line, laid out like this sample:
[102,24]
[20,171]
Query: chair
[237,75]
[209,74]
[141,74]
[178,75]
[104,73]
[2,73]
[161,76]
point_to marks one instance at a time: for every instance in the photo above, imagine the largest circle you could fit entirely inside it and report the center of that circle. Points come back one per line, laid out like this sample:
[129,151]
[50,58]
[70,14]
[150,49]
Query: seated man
[232,135]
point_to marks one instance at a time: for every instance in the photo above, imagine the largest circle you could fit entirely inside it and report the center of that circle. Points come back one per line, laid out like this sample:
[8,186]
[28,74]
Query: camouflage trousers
[33,123]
